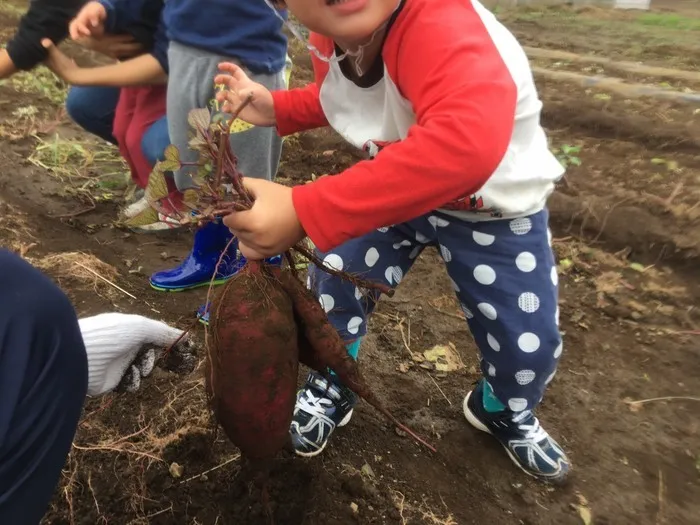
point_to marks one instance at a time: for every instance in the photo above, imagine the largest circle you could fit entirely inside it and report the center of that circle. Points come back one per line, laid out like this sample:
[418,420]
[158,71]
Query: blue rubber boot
[198,268]
[203,311]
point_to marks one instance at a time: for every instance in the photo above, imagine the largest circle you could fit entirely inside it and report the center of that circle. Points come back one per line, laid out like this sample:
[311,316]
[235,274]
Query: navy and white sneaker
[321,407]
[530,447]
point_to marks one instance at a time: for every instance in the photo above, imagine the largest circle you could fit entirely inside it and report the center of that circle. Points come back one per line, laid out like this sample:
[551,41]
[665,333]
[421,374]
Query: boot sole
[217,282]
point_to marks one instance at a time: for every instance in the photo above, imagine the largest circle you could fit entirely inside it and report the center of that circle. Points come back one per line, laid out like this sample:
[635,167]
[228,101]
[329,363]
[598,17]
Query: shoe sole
[217,282]
[476,423]
[344,422]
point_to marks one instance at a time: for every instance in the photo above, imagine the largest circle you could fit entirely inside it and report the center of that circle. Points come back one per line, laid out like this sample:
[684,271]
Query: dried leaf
[146,217]
[199,118]
[444,357]
[157,188]
[176,470]
[585,515]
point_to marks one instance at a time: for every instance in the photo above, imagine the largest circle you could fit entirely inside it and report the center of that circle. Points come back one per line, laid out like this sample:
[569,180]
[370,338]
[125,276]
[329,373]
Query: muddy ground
[626,223]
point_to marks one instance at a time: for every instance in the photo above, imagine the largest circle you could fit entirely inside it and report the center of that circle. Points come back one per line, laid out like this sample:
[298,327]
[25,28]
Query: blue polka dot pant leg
[505,277]
[385,256]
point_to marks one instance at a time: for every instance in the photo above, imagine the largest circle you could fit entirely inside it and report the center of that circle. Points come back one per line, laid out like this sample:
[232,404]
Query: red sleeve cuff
[304,197]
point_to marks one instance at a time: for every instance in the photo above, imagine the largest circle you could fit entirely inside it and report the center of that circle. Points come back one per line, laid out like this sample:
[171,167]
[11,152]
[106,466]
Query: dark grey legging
[191,86]
[43,383]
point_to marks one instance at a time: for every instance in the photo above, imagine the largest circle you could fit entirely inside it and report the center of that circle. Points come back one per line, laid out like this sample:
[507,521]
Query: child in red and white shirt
[441,97]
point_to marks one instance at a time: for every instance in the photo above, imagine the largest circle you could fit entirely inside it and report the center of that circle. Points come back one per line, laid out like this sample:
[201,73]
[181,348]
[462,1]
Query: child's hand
[271,226]
[260,111]
[89,21]
[120,47]
[62,65]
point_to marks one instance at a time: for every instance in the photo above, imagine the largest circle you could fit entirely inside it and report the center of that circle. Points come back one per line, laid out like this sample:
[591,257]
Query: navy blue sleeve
[160,44]
[115,11]
[43,19]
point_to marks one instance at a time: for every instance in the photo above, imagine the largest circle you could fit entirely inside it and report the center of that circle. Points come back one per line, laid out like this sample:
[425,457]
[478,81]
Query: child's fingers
[234,70]
[227,80]
[47,44]
[80,29]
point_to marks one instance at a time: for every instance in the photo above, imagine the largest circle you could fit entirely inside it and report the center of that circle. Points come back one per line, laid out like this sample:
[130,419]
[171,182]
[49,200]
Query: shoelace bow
[532,431]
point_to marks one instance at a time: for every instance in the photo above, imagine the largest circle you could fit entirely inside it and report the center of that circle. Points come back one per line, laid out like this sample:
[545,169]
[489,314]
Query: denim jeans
[92,108]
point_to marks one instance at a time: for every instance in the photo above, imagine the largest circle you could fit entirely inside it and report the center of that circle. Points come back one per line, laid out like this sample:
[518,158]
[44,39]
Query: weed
[669,20]
[39,81]
[68,158]
[568,155]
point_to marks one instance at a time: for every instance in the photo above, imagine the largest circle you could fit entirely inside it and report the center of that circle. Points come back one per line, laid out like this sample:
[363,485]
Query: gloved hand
[122,348]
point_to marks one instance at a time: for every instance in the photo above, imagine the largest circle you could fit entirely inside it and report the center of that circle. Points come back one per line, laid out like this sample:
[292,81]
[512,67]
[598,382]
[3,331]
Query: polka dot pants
[505,278]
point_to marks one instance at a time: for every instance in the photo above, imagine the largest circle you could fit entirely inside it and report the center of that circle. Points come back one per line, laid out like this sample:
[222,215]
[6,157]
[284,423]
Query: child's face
[345,21]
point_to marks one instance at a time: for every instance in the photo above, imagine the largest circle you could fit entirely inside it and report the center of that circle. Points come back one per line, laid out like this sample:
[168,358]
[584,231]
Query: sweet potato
[253,362]
[328,349]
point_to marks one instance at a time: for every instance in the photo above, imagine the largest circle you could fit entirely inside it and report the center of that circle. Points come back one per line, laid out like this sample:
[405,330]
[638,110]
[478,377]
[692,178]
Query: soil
[626,225]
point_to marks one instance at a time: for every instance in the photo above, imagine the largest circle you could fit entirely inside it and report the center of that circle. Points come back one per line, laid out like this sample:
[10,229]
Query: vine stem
[362,283]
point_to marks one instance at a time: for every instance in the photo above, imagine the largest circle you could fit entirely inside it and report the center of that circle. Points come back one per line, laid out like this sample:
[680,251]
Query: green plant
[568,155]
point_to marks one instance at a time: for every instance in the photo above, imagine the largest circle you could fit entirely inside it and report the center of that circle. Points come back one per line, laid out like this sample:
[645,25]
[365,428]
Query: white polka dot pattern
[526,262]
[529,302]
[529,342]
[371,257]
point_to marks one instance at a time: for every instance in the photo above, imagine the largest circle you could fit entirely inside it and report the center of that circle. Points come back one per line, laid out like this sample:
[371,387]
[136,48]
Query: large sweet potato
[253,362]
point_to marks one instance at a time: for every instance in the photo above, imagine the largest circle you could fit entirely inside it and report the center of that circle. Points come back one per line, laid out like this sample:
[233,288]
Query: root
[401,426]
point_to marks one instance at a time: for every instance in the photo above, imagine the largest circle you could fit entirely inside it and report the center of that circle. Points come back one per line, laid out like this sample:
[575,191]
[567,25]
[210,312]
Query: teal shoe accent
[354,348]
[490,401]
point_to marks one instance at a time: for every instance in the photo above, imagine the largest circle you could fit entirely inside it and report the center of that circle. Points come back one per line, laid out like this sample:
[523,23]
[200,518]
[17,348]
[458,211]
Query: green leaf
[169,165]
[565,264]
[146,217]
[172,159]
[172,153]
[638,267]
[575,161]
[658,161]
[191,198]
[157,187]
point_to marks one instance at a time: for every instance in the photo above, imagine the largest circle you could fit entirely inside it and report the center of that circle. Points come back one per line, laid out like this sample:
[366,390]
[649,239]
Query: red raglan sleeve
[300,109]
[446,65]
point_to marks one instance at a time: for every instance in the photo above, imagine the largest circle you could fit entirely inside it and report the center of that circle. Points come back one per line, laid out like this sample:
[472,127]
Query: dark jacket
[43,19]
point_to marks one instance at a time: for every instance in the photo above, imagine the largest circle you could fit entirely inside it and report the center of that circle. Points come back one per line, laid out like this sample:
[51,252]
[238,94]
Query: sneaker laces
[533,431]
[316,407]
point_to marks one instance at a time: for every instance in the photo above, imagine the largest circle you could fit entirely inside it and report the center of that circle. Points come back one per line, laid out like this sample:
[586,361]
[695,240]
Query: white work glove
[123,348]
